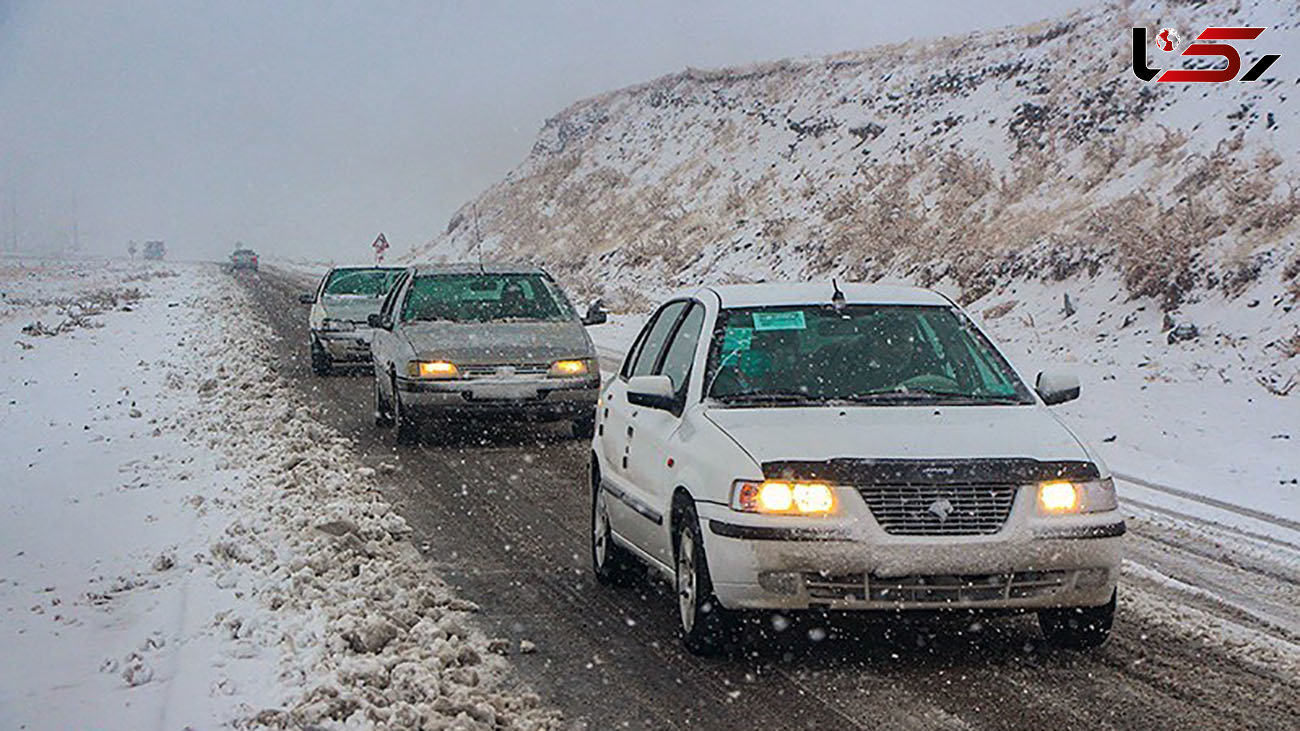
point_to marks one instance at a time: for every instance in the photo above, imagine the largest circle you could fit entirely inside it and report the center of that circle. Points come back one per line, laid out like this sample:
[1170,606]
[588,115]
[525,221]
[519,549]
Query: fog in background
[305,128]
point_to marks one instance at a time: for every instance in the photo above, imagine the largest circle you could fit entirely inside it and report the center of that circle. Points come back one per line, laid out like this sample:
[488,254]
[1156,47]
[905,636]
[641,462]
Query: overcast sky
[303,128]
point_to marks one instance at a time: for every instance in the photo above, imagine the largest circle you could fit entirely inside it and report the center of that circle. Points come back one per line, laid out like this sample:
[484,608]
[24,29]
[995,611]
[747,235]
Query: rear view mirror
[596,314]
[307,299]
[1057,388]
[655,392]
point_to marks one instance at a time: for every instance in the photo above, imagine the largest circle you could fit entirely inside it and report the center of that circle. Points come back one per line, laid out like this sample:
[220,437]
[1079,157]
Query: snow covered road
[1205,636]
[202,533]
[185,546]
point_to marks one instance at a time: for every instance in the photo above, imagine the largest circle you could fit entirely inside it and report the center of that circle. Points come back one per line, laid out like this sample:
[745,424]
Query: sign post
[380,246]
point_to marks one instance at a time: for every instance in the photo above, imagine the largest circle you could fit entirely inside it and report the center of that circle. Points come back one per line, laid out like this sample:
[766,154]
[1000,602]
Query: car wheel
[584,427]
[408,429]
[705,624]
[383,416]
[321,364]
[612,564]
[1078,627]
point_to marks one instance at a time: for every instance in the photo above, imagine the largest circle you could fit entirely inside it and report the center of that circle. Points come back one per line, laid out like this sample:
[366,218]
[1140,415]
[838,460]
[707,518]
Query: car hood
[496,343]
[898,432]
[355,309]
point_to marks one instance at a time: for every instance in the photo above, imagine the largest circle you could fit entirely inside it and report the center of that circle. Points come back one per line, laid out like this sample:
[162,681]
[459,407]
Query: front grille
[935,589]
[940,510]
[505,371]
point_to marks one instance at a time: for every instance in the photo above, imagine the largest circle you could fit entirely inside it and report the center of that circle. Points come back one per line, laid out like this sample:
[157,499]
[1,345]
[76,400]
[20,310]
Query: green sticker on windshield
[791,320]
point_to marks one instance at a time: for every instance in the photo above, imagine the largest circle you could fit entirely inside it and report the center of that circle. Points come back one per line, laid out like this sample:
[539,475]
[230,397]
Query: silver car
[500,341]
[343,301]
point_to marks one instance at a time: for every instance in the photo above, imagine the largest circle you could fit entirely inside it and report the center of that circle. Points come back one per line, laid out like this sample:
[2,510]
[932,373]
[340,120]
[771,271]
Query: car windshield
[374,282]
[485,298]
[875,354]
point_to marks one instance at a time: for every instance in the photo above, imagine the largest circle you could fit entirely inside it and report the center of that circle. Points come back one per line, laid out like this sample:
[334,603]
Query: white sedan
[791,447]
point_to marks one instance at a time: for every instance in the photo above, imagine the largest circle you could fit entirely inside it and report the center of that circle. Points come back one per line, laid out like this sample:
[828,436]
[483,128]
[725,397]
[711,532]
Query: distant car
[154,250]
[802,447]
[243,259]
[497,341]
[342,301]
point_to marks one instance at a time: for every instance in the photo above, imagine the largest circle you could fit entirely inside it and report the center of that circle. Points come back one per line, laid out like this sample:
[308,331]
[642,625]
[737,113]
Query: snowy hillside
[1014,170]
[964,161]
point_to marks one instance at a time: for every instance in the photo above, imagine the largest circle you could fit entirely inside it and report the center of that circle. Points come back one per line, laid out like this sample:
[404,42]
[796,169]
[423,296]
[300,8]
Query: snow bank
[189,546]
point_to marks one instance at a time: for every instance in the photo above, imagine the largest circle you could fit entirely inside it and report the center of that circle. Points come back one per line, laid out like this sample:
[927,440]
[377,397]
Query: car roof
[494,267]
[807,293]
[366,267]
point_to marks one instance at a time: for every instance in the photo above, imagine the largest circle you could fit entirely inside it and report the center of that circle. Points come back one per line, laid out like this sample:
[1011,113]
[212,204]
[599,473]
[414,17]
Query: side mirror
[1057,388]
[375,319]
[652,392]
[307,298]
[596,314]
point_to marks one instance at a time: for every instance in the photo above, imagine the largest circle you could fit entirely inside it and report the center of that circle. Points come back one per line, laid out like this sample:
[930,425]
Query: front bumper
[345,346]
[849,562]
[539,399]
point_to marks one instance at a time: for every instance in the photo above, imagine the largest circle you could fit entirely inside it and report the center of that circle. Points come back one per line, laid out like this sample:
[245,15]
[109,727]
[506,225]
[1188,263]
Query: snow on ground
[183,545]
[1202,416]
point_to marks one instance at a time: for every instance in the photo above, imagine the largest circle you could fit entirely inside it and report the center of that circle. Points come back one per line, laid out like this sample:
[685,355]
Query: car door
[383,340]
[649,476]
[616,429]
[316,316]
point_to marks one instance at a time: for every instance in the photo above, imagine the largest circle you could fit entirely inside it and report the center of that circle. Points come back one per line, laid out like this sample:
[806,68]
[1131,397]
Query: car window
[485,298]
[373,283]
[386,310]
[654,338]
[681,352]
[630,359]
[879,353]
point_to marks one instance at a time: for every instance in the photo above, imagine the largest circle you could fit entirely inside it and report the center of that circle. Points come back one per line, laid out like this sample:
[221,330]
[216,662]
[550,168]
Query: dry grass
[1000,310]
[936,211]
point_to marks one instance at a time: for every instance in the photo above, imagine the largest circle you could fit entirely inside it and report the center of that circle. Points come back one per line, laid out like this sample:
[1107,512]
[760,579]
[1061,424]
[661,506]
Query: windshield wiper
[927,395]
[767,397]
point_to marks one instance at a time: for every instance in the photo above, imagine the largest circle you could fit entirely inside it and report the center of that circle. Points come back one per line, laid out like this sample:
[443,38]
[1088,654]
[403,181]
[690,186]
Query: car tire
[1078,627]
[383,413]
[321,364]
[584,427]
[613,564]
[705,624]
[408,429]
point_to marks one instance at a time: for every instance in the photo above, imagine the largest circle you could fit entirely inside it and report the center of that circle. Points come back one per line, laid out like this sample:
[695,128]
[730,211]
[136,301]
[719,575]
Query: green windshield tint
[361,282]
[485,298]
[857,352]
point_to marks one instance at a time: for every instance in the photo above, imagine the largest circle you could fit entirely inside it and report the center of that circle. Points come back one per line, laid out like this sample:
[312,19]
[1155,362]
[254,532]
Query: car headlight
[337,325]
[569,368]
[432,369]
[1063,497]
[782,497]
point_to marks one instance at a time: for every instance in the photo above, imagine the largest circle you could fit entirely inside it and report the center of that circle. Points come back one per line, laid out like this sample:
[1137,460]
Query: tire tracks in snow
[506,520]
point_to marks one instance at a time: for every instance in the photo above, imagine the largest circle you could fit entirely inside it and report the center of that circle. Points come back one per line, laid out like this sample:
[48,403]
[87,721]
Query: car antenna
[478,239]
[837,299]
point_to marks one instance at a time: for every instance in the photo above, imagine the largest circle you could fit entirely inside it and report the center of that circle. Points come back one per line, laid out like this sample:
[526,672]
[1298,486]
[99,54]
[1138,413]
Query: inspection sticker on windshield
[791,320]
